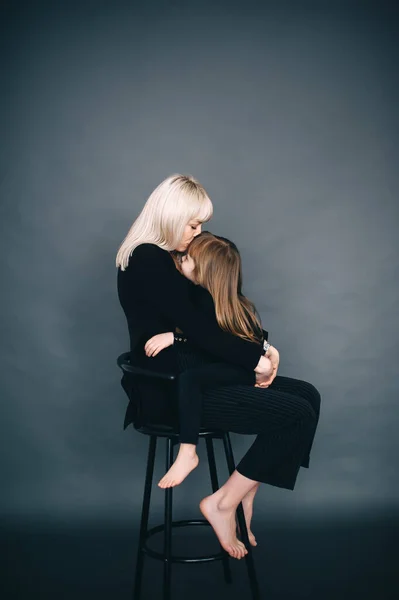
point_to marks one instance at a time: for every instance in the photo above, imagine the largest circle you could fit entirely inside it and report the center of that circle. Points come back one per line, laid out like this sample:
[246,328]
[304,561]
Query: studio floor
[94,560]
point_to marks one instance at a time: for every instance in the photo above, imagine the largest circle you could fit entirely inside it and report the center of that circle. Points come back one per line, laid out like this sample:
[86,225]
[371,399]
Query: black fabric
[151,401]
[192,382]
[191,385]
[156,299]
[284,417]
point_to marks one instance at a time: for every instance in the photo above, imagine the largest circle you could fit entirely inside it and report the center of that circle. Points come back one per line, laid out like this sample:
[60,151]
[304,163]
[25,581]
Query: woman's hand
[159,342]
[264,376]
[274,356]
[263,371]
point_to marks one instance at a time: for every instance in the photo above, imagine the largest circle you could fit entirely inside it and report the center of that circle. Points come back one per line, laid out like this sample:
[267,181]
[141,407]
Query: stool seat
[170,433]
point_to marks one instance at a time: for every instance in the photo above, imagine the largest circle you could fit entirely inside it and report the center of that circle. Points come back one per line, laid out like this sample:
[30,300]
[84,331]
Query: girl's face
[187,267]
[192,229]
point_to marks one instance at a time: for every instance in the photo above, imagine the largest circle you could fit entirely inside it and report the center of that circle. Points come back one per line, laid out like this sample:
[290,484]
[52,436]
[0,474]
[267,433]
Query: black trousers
[191,385]
[283,417]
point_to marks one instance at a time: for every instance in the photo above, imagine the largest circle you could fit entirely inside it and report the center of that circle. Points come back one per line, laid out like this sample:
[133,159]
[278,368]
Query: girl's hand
[159,342]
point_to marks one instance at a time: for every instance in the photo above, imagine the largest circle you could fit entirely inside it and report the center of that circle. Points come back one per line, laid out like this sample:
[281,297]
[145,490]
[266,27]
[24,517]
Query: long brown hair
[218,269]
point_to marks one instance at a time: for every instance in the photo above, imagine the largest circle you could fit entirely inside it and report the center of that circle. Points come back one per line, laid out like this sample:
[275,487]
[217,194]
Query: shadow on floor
[95,561]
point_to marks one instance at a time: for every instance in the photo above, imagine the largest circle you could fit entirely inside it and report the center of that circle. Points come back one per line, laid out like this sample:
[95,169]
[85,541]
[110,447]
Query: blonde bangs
[191,204]
[203,210]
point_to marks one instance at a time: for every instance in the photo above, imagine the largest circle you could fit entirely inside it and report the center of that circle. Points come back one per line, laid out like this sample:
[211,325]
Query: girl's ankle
[188,450]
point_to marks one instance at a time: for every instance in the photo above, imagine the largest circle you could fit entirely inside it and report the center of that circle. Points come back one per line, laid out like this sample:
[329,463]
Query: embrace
[181,292]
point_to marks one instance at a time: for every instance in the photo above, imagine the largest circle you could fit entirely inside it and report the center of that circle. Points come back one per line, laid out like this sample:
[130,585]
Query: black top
[202,300]
[156,298]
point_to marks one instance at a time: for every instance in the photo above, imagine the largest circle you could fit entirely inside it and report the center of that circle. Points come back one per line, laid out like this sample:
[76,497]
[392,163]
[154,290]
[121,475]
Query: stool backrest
[132,376]
[125,364]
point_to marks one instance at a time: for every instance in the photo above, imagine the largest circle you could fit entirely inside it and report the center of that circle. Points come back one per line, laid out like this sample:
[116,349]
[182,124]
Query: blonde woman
[156,298]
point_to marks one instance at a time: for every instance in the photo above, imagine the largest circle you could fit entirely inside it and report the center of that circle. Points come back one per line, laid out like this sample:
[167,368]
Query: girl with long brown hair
[213,265]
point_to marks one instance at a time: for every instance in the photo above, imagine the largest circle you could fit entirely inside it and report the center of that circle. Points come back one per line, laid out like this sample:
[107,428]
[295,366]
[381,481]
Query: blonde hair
[172,205]
[218,268]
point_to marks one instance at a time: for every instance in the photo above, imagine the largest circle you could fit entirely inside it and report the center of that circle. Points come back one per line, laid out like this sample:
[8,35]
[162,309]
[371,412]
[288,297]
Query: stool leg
[249,560]
[215,487]
[167,568]
[144,517]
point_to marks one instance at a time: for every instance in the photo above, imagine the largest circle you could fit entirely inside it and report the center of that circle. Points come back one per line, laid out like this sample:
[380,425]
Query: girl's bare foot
[186,461]
[223,522]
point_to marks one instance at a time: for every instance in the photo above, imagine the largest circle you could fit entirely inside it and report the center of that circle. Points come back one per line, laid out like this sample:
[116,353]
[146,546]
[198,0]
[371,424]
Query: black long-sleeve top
[156,299]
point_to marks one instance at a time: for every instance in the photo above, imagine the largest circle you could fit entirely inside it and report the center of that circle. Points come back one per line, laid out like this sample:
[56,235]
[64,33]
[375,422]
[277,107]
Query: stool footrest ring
[181,559]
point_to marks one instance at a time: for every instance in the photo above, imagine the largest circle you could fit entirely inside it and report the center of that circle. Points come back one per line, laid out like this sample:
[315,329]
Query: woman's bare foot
[248,506]
[186,461]
[223,523]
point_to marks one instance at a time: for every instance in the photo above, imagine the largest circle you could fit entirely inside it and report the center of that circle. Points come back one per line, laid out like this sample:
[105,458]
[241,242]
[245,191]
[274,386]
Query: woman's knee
[306,413]
[315,398]
[312,395]
[286,410]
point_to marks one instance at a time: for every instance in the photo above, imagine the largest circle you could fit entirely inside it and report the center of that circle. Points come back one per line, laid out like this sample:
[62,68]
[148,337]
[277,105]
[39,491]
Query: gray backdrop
[288,116]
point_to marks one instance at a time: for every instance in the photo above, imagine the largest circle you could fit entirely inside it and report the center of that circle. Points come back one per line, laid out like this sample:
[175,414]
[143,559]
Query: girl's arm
[159,342]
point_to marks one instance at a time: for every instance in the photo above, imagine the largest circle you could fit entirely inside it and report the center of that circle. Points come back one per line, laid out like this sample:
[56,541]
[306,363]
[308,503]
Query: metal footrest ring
[181,559]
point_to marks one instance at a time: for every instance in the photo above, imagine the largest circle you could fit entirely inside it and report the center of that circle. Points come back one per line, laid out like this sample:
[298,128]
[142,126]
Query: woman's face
[188,266]
[192,229]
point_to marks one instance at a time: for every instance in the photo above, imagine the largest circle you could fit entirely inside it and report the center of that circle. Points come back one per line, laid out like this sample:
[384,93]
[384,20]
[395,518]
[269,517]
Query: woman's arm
[153,276]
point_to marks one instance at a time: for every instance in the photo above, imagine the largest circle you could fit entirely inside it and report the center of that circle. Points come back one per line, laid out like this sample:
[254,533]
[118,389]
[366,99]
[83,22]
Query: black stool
[154,432]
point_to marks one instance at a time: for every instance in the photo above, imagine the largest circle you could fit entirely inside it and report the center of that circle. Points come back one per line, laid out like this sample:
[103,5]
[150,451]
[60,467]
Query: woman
[155,298]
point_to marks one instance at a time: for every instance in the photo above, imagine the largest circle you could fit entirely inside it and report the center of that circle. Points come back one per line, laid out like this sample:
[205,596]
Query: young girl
[213,264]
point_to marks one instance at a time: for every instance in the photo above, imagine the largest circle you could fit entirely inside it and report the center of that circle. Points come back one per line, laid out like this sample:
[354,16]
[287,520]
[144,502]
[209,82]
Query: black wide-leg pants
[192,384]
[283,416]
